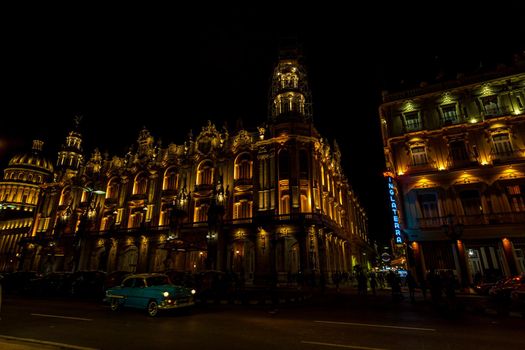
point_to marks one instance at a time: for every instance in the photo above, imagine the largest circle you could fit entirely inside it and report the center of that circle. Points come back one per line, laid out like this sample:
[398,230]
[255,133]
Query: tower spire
[70,156]
[290,97]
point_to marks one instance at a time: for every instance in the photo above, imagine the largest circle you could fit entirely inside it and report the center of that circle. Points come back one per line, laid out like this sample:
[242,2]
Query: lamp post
[78,239]
[454,230]
[215,242]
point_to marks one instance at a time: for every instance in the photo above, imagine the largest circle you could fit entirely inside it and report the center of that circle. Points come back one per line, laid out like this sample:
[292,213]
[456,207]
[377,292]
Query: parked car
[52,284]
[89,284]
[503,288]
[115,278]
[149,291]
[518,294]
[18,282]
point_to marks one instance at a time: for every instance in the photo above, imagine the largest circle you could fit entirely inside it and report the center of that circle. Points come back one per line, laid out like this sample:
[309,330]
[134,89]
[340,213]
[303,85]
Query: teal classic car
[151,292]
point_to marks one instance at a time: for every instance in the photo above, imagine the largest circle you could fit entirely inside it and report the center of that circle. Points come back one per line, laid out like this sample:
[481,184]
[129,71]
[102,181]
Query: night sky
[171,70]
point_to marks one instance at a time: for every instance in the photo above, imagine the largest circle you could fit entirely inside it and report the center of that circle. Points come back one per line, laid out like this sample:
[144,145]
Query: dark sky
[171,69]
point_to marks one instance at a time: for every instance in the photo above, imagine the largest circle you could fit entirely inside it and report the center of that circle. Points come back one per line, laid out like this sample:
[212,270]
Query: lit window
[490,105]
[419,155]
[516,195]
[412,121]
[502,144]
[449,114]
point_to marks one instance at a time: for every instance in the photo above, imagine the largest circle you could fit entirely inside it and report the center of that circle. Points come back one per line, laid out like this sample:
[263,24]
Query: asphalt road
[329,324]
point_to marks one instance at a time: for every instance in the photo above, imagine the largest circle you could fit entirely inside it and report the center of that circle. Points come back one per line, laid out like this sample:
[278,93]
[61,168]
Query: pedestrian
[373,283]
[411,284]
[423,286]
[361,283]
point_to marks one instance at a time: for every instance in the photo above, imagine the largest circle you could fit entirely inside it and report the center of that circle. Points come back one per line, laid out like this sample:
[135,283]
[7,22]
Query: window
[285,204]
[129,283]
[458,151]
[502,144]
[201,213]
[205,173]
[141,184]
[170,179]
[449,114]
[112,189]
[429,205]
[65,198]
[284,165]
[520,103]
[516,195]
[419,155]
[471,202]
[412,121]
[303,164]
[490,105]
[242,209]
[243,167]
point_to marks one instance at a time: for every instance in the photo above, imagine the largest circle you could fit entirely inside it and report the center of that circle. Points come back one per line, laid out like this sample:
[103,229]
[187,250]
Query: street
[351,322]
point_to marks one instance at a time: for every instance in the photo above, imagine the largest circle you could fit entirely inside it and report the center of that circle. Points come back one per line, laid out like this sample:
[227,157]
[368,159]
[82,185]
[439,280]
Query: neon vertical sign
[395,212]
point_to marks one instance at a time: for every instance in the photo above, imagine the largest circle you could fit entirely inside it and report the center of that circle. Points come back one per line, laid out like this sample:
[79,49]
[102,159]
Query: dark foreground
[321,322]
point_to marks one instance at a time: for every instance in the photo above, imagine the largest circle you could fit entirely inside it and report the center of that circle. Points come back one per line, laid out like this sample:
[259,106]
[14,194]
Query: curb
[36,342]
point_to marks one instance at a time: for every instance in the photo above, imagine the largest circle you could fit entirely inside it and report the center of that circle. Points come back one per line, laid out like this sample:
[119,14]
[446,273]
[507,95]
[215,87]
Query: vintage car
[151,292]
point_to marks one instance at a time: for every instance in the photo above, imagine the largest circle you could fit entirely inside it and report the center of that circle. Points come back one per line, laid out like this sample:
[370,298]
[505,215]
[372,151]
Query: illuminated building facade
[272,204]
[19,195]
[456,152]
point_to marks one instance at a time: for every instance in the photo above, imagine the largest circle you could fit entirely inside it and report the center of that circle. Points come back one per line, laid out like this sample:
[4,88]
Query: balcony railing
[473,220]
[496,112]
[460,163]
[242,182]
[203,187]
[498,157]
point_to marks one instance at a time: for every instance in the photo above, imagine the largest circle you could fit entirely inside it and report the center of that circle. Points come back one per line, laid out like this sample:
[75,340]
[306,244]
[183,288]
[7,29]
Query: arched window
[205,173]
[242,208]
[112,189]
[243,167]
[285,205]
[65,196]
[201,212]
[141,184]
[303,164]
[170,179]
[284,164]
[305,204]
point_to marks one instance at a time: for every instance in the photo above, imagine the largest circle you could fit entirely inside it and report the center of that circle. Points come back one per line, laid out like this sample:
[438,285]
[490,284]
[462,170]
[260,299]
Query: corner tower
[70,156]
[290,97]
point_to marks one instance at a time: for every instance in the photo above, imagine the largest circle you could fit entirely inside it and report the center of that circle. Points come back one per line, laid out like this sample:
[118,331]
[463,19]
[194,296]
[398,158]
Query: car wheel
[115,305]
[153,308]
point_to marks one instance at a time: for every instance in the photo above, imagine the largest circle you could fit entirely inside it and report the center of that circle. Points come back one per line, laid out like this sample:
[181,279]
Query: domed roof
[32,159]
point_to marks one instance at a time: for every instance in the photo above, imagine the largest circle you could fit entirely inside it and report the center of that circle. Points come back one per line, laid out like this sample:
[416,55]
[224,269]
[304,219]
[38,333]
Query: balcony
[496,111]
[203,187]
[461,163]
[473,220]
[421,167]
[507,156]
[242,182]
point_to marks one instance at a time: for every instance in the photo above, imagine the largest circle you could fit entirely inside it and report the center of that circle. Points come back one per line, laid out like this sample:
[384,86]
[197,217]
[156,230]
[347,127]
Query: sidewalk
[15,343]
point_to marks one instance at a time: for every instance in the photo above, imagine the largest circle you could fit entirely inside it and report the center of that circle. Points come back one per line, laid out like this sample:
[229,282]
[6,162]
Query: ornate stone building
[272,203]
[456,152]
[19,194]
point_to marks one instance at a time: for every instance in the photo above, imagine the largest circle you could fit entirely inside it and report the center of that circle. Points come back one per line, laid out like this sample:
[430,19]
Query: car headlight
[166,294]
[193,291]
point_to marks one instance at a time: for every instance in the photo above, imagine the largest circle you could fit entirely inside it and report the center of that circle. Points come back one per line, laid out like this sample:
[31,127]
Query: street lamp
[215,216]
[88,213]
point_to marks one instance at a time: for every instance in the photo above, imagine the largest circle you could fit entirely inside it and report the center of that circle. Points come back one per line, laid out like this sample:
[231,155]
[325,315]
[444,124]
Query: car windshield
[157,280]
